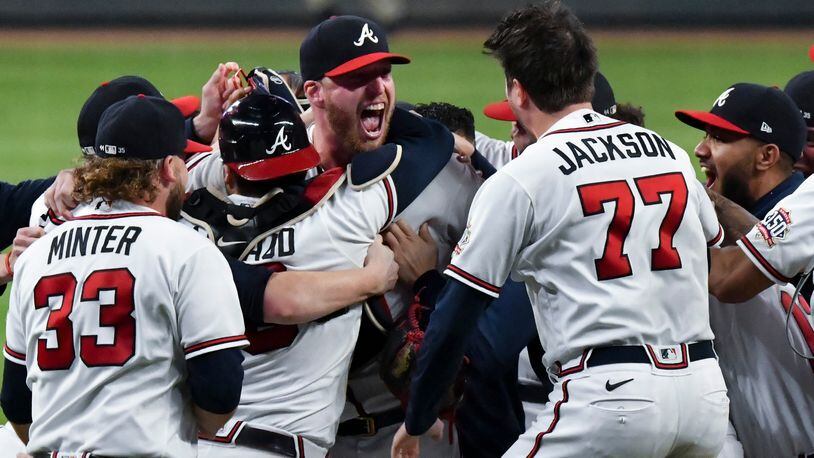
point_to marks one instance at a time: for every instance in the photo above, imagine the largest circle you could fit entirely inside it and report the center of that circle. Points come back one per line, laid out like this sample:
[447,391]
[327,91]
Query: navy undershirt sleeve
[251,287]
[15,397]
[215,380]
[15,206]
[451,324]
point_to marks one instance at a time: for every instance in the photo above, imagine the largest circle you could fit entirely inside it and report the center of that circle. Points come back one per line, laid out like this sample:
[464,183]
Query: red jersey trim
[196,159]
[13,353]
[573,369]
[685,359]
[53,218]
[538,441]
[323,184]
[469,277]
[585,129]
[763,262]
[117,215]
[213,342]
[800,319]
[717,238]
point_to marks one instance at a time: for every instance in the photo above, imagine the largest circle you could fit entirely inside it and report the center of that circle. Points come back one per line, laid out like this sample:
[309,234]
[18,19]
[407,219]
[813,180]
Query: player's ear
[516,91]
[315,94]
[767,156]
[171,170]
[228,178]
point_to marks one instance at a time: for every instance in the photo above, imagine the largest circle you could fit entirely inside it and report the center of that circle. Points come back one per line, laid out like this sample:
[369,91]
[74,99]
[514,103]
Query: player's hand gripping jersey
[117,308]
[600,218]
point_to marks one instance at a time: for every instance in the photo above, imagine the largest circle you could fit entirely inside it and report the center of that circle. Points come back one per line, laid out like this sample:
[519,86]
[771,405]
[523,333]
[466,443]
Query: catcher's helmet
[262,138]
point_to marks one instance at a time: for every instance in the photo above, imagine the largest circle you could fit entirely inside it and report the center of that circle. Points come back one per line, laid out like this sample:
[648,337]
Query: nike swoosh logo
[223,244]
[612,386]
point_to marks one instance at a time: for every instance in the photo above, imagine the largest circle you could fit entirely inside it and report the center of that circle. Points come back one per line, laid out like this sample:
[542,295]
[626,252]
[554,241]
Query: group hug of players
[220,276]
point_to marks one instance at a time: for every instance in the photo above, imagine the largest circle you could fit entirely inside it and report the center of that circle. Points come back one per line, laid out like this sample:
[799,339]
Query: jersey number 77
[614,263]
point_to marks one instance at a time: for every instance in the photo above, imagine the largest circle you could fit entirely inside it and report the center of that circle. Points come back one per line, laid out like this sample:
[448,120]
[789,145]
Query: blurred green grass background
[44,79]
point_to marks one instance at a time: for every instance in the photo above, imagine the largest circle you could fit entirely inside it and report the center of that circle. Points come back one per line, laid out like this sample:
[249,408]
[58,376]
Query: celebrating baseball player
[598,217]
[754,168]
[112,346]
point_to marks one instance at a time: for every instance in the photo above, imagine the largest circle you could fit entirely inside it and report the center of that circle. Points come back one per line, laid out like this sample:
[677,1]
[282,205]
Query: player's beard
[735,185]
[175,202]
[346,126]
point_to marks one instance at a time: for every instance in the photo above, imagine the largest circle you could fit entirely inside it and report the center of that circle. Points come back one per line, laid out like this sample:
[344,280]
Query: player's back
[107,331]
[616,248]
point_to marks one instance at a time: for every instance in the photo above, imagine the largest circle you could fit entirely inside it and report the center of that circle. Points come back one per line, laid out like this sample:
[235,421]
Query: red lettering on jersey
[651,188]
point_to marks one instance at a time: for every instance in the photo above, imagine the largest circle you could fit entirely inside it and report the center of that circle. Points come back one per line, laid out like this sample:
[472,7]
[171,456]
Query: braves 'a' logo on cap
[281,139]
[366,34]
[721,100]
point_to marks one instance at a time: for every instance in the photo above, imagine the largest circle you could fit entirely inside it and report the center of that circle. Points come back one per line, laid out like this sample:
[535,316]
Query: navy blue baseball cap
[801,90]
[143,127]
[765,113]
[110,92]
[342,44]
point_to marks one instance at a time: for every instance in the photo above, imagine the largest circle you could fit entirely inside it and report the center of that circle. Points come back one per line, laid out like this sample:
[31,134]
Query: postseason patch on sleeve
[775,226]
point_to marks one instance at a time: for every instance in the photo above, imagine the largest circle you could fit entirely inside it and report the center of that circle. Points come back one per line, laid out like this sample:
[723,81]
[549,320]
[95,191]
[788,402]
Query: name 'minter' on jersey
[599,218]
[104,312]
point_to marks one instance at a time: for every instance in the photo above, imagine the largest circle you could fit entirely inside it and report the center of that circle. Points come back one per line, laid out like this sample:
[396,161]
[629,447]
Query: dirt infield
[118,37]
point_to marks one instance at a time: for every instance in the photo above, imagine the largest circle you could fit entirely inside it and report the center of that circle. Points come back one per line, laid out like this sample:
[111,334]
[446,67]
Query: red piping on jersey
[227,439]
[514,153]
[390,201]
[571,370]
[196,159]
[117,215]
[321,184]
[301,446]
[213,342]
[685,360]
[585,129]
[474,279]
[717,238]
[14,353]
[53,217]
[539,439]
[800,319]
[763,260]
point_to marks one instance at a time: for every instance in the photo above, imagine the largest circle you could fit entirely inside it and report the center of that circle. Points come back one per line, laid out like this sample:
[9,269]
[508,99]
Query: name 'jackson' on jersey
[597,258]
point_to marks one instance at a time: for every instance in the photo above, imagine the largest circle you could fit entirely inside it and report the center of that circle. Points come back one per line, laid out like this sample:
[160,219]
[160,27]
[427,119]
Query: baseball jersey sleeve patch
[372,166]
[760,262]
[13,356]
[775,226]
[215,345]
[717,239]
[472,281]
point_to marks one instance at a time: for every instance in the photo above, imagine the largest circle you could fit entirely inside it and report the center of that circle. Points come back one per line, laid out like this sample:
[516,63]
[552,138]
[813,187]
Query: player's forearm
[735,220]
[453,321]
[732,276]
[294,297]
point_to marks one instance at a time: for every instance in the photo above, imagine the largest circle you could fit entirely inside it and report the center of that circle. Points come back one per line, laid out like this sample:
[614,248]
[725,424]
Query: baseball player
[594,237]
[120,355]
[499,152]
[755,169]
[345,62]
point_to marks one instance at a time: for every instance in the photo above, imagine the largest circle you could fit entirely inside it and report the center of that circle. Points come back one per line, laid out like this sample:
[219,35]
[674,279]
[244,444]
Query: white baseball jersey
[599,218]
[782,244]
[771,389]
[497,152]
[295,376]
[104,313]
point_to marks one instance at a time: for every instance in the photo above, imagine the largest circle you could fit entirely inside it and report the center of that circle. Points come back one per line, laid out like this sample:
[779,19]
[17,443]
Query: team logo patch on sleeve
[775,226]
